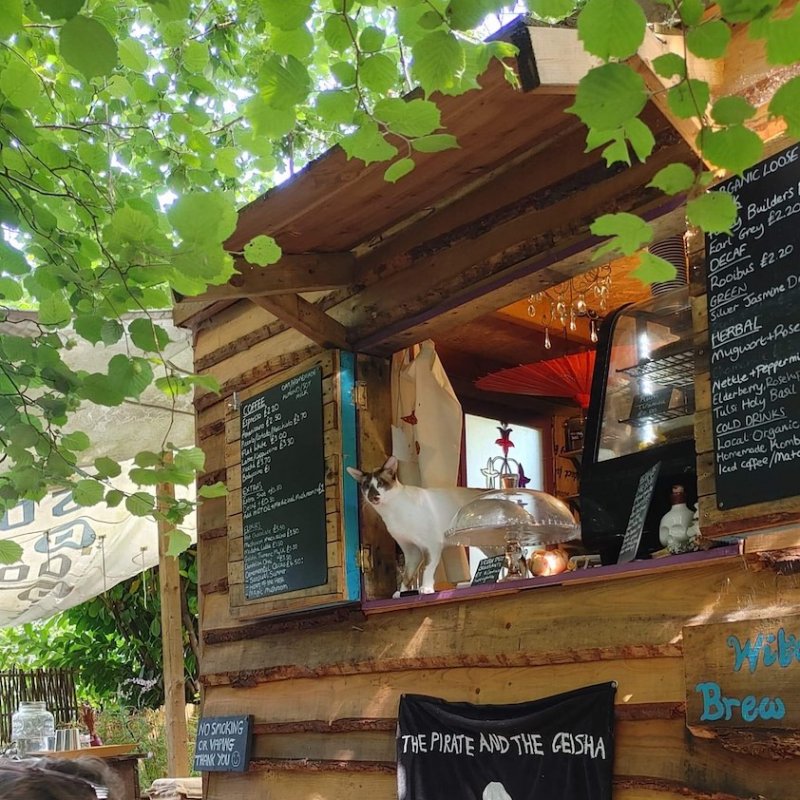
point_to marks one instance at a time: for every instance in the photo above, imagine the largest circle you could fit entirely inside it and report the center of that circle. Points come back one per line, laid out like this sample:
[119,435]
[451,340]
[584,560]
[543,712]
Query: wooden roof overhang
[469,231]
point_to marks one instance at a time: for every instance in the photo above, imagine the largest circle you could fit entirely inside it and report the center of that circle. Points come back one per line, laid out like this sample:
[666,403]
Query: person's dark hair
[57,779]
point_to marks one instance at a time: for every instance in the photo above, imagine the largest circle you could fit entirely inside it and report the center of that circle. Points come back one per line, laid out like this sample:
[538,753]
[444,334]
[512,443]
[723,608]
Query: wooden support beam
[305,317]
[655,45]
[172,645]
[309,272]
[501,257]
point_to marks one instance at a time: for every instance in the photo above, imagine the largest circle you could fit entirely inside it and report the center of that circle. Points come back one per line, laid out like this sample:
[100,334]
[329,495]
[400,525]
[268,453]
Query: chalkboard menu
[283,488]
[488,570]
[641,505]
[754,322]
[223,744]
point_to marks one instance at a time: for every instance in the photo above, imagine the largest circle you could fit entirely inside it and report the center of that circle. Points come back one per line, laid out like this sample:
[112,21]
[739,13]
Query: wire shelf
[673,370]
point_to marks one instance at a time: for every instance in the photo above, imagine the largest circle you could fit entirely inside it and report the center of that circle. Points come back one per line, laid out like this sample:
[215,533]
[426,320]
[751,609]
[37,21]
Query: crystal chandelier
[584,296]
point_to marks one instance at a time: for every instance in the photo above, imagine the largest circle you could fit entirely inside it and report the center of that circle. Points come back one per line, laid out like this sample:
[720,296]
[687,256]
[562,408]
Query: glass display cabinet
[641,413]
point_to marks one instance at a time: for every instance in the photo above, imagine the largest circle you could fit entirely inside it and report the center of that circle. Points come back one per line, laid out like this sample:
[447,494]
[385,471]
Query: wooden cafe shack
[473,251]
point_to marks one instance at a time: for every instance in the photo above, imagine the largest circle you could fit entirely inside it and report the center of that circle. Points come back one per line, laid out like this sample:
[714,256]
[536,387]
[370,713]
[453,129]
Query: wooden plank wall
[324,692]
[325,697]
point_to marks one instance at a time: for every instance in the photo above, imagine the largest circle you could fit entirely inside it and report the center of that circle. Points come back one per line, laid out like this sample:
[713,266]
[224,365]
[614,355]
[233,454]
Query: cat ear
[390,466]
[355,473]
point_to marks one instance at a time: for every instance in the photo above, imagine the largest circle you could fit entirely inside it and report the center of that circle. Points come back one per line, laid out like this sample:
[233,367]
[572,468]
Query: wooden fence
[56,687]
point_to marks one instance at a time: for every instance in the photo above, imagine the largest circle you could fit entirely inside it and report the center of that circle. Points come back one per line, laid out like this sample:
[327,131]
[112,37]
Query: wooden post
[172,646]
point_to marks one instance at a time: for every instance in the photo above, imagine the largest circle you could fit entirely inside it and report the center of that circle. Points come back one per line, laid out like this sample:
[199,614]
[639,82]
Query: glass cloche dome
[527,517]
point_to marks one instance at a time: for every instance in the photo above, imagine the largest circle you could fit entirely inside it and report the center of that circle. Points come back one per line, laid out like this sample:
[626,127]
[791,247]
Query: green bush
[144,727]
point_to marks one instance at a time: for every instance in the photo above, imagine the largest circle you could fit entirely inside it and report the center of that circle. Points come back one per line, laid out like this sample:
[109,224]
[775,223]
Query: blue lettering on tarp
[75,535]
[28,511]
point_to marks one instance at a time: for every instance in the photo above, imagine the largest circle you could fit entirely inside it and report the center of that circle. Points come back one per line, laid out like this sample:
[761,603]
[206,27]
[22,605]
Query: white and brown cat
[416,518]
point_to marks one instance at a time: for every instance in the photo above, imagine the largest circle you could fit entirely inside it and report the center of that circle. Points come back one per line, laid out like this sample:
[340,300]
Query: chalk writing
[223,744]
[283,488]
[753,295]
[641,505]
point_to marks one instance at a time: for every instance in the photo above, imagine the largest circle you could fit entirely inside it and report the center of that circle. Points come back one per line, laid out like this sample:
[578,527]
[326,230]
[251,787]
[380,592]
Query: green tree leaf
[689,98]
[746,10]
[107,467]
[190,458]
[132,54]
[709,40]
[179,542]
[59,9]
[114,497]
[284,82]
[609,96]
[87,492]
[673,179]
[371,39]
[691,11]
[641,138]
[669,65]
[435,143]
[213,490]
[298,42]
[140,504]
[783,39]
[652,269]
[552,10]
[345,73]
[196,56]
[10,551]
[628,233]
[54,309]
[732,110]
[20,85]
[339,32]
[438,60]
[10,290]
[87,45]
[262,250]
[398,170]
[368,144]
[204,217]
[286,14]
[10,18]
[377,73]
[148,336]
[412,118]
[131,376]
[713,212]
[337,107]
[786,103]
[76,441]
[733,148]
[611,28]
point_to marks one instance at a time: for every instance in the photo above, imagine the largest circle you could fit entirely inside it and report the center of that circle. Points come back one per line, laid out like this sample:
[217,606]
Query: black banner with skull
[557,747]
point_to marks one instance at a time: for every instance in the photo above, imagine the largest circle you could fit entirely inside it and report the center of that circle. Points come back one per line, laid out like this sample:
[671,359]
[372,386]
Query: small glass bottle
[31,725]
[674,527]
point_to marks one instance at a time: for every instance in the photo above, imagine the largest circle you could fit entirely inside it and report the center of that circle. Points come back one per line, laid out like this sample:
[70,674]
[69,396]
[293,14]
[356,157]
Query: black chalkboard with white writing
[641,505]
[754,324]
[223,744]
[283,488]
[488,570]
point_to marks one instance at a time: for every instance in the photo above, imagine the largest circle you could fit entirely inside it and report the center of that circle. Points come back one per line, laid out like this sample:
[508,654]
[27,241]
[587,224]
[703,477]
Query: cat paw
[396,595]
[426,590]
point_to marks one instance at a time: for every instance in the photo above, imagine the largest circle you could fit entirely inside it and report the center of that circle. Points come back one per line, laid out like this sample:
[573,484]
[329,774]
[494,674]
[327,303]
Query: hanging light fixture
[584,296]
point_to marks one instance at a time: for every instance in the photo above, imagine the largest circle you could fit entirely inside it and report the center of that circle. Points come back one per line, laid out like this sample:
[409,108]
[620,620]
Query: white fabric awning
[72,554]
